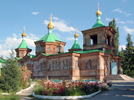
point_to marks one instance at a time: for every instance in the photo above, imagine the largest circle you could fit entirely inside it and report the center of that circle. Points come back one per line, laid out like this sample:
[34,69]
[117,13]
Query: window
[21,53]
[41,66]
[59,49]
[44,66]
[89,64]
[108,40]
[93,39]
[67,65]
[49,49]
[53,66]
[54,50]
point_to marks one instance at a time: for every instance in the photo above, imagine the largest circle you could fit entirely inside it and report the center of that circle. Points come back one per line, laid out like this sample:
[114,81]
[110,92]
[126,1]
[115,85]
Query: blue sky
[67,15]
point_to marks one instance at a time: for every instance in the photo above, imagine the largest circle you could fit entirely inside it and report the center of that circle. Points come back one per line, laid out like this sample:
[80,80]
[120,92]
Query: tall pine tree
[11,75]
[127,58]
[113,25]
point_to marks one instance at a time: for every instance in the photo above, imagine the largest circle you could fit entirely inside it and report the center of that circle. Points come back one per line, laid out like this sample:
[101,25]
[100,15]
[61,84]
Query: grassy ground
[9,97]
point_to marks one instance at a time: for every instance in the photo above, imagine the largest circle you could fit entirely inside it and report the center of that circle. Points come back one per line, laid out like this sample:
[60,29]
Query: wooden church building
[96,60]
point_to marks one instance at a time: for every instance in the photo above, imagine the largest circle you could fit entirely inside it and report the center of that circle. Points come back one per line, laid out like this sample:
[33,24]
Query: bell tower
[99,37]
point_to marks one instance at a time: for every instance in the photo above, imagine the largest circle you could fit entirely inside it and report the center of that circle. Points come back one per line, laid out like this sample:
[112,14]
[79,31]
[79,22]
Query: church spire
[50,24]
[98,23]
[98,12]
[76,46]
[24,34]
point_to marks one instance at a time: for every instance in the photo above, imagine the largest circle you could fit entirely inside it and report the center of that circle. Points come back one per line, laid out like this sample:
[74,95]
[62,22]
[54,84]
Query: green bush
[10,80]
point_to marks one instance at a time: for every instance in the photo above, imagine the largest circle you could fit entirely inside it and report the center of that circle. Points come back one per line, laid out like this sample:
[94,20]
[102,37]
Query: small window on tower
[48,48]
[59,49]
[54,49]
[21,53]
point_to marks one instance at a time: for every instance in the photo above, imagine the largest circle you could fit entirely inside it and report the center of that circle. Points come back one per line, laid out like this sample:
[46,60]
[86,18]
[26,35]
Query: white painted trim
[65,97]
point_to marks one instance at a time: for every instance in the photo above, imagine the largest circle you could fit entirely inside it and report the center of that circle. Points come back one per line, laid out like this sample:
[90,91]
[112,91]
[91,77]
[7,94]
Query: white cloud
[120,11]
[58,35]
[122,46]
[70,38]
[61,26]
[132,22]
[110,19]
[128,30]
[13,43]
[121,22]
[56,18]
[35,13]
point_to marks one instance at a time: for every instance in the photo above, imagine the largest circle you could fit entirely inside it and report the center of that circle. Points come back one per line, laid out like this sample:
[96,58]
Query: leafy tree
[113,25]
[10,79]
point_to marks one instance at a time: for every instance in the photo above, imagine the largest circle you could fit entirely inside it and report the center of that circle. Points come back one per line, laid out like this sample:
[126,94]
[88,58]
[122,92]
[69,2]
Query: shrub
[10,79]
[65,88]
[25,77]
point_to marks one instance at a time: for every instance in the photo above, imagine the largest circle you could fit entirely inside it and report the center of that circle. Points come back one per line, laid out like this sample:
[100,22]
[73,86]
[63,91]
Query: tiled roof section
[76,45]
[23,44]
[50,37]
[99,23]
[89,51]
[31,56]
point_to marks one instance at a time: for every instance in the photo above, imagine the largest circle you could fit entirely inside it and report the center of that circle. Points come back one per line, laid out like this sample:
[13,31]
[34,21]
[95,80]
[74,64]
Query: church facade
[96,60]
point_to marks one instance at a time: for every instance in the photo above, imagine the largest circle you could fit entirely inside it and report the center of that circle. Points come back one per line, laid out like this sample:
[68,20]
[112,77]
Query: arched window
[22,54]
[41,66]
[89,64]
[59,49]
[44,66]
[56,65]
[49,49]
[53,66]
[67,65]
[54,50]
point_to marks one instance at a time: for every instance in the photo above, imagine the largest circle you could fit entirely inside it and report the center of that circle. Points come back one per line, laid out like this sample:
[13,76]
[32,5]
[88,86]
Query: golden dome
[24,34]
[98,12]
[76,35]
[50,24]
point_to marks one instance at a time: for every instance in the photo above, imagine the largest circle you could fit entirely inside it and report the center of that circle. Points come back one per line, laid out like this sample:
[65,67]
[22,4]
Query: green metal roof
[19,58]
[89,51]
[31,56]
[2,60]
[50,37]
[23,44]
[80,52]
[99,23]
[76,45]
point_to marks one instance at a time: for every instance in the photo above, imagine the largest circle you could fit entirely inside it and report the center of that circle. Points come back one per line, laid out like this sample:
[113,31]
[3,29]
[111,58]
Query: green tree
[128,59]
[11,75]
[113,25]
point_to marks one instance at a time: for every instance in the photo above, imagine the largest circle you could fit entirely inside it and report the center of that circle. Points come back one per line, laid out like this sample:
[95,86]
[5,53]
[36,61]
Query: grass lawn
[17,97]
[9,97]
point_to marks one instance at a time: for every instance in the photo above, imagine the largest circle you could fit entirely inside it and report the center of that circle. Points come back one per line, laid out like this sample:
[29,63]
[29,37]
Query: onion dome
[76,35]
[50,24]
[98,12]
[24,34]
